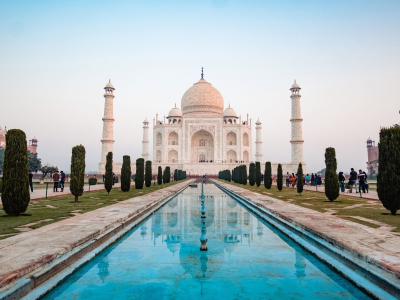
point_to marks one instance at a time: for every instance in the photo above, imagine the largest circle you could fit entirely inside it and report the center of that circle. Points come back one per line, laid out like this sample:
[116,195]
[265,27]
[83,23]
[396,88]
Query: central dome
[202,98]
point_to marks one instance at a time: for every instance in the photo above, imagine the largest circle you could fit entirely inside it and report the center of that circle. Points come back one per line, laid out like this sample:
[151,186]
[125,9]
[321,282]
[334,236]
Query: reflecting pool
[246,259]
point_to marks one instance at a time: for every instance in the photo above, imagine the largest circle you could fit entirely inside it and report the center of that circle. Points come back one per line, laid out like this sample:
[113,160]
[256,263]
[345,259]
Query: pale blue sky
[56,57]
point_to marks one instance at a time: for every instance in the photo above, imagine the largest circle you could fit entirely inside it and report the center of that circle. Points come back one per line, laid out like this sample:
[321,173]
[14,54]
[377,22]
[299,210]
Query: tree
[168,174]
[175,174]
[34,163]
[108,180]
[165,176]
[1,159]
[300,182]
[258,173]
[139,179]
[149,175]
[126,173]
[77,171]
[47,169]
[252,174]
[159,176]
[388,186]
[268,175]
[180,175]
[279,182]
[244,174]
[331,177]
[15,196]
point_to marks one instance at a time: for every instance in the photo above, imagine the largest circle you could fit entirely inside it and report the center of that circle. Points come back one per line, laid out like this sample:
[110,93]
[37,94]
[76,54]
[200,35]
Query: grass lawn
[345,207]
[46,211]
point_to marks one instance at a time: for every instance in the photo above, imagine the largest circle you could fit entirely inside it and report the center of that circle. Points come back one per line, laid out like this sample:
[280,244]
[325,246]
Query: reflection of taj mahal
[202,137]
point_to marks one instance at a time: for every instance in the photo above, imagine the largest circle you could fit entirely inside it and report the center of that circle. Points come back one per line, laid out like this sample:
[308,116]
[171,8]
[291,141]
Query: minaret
[145,147]
[297,132]
[259,154]
[108,123]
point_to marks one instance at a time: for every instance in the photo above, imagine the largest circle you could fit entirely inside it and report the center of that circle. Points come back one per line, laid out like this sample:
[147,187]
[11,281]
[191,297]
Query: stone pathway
[28,252]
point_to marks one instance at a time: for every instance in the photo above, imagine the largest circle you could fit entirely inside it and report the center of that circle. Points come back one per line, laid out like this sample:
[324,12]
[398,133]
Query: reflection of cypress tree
[203,262]
[300,266]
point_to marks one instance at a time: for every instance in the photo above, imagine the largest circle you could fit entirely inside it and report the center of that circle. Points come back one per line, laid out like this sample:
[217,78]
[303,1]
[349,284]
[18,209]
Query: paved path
[41,193]
[374,248]
[29,252]
[321,189]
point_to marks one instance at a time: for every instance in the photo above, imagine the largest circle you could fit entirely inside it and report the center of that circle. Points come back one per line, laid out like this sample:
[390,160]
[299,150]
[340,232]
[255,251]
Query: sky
[57,56]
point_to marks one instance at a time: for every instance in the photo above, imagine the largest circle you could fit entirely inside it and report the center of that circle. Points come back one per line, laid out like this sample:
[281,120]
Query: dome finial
[109,80]
[202,74]
[229,105]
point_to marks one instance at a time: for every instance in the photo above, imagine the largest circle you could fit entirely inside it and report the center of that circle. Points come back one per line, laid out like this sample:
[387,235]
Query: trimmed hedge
[268,175]
[252,174]
[279,182]
[77,171]
[15,196]
[331,177]
[108,181]
[1,186]
[92,181]
[148,175]
[159,176]
[139,179]
[258,173]
[126,173]
[300,182]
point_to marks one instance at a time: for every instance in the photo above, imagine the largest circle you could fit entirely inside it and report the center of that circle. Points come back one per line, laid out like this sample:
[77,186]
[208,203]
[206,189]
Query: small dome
[34,138]
[369,139]
[258,122]
[109,85]
[295,85]
[229,112]
[175,112]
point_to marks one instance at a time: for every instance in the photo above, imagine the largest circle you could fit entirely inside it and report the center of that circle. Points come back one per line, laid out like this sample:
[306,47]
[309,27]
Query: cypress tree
[164,176]
[148,175]
[258,173]
[159,176]
[179,174]
[388,184]
[108,180]
[126,173]
[229,176]
[184,174]
[244,174]
[168,176]
[77,171]
[300,182]
[139,178]
[252,174]
[279,181]
[331,177]
[268,175]
[176,175]
[15,195]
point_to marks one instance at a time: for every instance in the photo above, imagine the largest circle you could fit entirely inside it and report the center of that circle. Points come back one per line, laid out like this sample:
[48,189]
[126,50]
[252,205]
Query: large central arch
[202,146]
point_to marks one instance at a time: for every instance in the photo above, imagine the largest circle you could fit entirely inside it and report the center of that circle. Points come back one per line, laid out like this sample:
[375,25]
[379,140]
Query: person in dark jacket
[30,180]
[312,179]
[361,178]
[318,180]
[56,179]
[341,181]
[62,181]
[366,182]
[353,178]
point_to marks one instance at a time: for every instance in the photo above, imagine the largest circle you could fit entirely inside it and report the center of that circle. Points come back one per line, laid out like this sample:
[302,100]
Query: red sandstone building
[32,145]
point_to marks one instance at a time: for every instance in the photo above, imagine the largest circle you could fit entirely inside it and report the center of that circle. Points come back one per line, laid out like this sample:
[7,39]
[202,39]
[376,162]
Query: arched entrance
[202,147]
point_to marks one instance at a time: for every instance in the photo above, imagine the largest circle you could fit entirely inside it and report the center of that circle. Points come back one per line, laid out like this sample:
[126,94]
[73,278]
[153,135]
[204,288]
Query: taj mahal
[201,137]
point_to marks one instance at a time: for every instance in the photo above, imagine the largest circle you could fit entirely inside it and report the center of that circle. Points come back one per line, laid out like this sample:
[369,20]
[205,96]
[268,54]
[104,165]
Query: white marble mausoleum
[201,137]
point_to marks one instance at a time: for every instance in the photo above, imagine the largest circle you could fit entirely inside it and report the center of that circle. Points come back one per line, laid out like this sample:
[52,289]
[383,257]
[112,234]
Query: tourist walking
[287,179]
[262,178]
[341,181]
[319,180]
[56,179]
[312,179]
[307,179]
[62,181]
[293,180]
[114,178]
[366,185]
[361,181]
[30,180]
[353,178]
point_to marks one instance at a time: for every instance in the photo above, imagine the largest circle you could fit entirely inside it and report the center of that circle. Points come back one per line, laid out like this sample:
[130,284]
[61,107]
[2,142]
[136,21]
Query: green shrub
[244,175]
[258,173]
[331,177]
[388,180]
[300,182]
[168,174]
[1,186]
[15,196]
[176,175]
[148,175]
[108,181]
[77,171]
[126,173]
[159,176]
[180,175]
[279,182]
[268,175]
[252,174]
[139,179]
[92,181]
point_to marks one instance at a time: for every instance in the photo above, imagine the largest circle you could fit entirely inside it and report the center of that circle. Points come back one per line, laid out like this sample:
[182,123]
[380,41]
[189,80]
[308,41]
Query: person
[312,179]
[262,178]
[104,177]
[297,179]
[30,180]
[113,178]
[62,181]
[353,178]
[341,181]
[307,179]
[293,180]
[56,178]
[319,180]
[366,183]
[287,179]
[361,181]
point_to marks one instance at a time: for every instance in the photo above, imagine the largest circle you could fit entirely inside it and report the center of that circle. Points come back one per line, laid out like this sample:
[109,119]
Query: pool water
[246,259]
